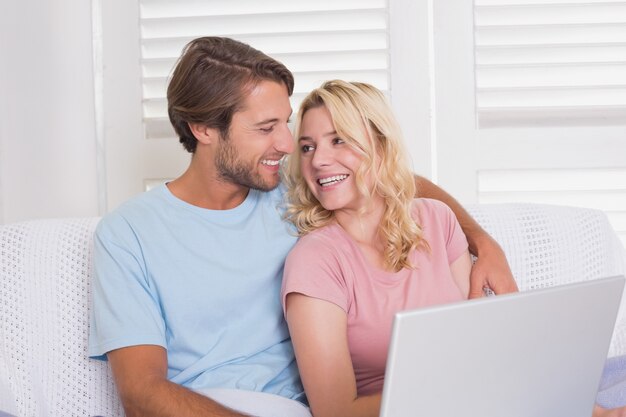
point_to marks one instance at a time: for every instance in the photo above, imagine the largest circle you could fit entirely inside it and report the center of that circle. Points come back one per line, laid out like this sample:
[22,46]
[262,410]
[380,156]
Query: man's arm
[491,268]
[140,374]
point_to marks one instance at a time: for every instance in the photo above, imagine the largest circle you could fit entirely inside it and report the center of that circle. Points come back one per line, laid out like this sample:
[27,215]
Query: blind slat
[553,180]
[546,116]
[247,24]
[536,97]
[274,44]
[552,75]
[170,9]
[302,62]
[548,14]
[534,2]
[547,54]
[551,35]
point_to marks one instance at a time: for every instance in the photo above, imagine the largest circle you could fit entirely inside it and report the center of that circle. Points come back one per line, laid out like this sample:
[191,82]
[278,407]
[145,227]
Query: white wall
[47,134]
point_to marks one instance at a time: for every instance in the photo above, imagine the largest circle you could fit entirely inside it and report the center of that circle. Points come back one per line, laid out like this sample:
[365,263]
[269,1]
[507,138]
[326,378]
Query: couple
[186,303]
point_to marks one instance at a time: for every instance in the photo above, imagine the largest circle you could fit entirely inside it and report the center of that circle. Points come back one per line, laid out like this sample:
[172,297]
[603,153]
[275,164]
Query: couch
[46,265]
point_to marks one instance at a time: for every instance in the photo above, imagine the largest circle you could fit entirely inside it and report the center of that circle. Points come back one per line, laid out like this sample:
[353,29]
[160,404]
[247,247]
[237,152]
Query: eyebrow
[272,120]
[264,122]
[334,132]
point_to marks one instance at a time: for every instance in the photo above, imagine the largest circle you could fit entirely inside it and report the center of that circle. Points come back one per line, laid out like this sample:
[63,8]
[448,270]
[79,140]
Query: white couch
[45,270]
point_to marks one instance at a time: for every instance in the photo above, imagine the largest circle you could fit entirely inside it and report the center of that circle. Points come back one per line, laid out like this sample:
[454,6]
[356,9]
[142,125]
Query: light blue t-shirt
[204,284]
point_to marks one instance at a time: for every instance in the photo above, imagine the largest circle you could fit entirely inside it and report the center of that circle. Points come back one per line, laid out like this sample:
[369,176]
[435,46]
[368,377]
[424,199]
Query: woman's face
[327,163]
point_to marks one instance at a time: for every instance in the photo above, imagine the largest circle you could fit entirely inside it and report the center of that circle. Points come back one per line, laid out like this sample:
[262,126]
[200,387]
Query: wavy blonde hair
[362,117]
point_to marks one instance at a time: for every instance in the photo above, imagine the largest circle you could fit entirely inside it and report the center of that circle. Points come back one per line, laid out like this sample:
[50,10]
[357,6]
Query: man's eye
[306,148]
[267,129]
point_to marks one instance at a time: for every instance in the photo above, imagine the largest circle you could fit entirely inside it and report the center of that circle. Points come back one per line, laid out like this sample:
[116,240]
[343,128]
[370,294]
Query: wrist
[482,243]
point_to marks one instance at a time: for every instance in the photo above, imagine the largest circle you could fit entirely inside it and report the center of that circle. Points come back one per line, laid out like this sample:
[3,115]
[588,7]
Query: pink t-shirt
[327,264]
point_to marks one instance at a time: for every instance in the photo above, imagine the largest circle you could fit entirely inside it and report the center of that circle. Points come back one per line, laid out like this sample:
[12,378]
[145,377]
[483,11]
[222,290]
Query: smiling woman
[377,249]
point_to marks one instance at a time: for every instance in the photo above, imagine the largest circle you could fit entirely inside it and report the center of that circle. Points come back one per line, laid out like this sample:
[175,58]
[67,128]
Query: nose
[284,141]
[321,156]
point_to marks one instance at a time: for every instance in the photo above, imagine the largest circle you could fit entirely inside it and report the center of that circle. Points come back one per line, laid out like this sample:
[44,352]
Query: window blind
[550,62]
[317,41]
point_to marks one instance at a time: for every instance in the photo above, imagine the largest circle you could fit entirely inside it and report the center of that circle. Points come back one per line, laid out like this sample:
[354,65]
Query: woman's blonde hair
[362,118]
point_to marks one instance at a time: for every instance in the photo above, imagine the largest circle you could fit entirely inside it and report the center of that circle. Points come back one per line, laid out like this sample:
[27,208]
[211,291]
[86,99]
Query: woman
[367,249]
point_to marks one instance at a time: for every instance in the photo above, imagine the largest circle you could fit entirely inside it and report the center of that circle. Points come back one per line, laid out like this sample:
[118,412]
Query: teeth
[325,182]
[270,162]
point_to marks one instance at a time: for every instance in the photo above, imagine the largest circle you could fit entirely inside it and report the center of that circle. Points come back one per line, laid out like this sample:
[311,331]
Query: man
[187,276]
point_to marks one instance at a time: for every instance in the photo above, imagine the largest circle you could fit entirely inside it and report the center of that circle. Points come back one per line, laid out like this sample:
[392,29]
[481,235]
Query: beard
[236,171]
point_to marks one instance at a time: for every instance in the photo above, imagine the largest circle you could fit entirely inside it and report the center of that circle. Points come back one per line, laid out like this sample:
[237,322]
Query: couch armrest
[45,274]
[548,245]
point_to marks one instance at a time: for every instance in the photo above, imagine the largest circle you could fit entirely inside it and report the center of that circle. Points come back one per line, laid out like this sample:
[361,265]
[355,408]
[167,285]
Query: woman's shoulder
[426,208]
[326,238]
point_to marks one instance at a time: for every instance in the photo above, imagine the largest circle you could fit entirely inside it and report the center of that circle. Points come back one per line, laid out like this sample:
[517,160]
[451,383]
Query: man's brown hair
[210,83]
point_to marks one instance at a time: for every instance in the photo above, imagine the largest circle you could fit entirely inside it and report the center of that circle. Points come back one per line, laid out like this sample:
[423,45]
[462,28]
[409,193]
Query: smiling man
[187,275]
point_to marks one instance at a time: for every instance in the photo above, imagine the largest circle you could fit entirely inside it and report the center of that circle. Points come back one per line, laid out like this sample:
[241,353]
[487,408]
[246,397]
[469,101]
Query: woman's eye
[338,141]
[306,148]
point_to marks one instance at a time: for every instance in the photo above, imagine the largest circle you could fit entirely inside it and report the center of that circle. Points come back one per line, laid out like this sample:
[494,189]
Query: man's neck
[203,189]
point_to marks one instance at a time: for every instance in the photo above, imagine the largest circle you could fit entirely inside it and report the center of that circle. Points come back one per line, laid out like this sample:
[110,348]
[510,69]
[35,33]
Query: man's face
[258,139]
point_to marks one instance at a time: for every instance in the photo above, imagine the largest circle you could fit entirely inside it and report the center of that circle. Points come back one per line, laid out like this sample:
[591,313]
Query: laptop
[538,353]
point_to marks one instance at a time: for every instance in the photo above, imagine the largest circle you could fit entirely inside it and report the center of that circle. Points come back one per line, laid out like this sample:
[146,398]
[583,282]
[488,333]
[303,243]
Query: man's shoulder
[137,210]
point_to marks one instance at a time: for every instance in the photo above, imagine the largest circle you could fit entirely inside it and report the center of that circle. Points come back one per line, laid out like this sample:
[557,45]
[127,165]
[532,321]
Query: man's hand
[491,270]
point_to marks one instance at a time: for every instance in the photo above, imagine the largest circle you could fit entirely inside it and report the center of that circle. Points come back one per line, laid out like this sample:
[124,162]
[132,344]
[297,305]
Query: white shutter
[550,62]
[531,102]
[318,41]
[551,103]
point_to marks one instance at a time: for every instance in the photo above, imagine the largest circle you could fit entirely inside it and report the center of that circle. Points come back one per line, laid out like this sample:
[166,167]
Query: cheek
[306,172]
[305,167]
[353,160]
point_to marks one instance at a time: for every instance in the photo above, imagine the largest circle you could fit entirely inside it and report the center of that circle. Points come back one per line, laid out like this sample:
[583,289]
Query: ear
[205,135]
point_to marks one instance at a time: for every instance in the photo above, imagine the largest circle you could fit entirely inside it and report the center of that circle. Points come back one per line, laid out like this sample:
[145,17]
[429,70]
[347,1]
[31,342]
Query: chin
[267,185]
[331,207]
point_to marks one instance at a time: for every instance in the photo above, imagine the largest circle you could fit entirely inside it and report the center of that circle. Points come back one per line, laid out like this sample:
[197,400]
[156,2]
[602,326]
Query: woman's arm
[460,270]
[318,331]
[491,268]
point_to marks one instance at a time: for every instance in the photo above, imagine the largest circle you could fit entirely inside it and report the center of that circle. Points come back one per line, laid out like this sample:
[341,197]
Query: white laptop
[537,353]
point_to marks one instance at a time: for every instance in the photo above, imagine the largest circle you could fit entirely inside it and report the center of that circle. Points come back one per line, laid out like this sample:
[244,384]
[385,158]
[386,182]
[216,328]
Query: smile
[270,162]
[325,182]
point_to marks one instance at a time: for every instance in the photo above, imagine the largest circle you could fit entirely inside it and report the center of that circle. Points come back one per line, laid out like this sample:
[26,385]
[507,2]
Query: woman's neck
[363,228]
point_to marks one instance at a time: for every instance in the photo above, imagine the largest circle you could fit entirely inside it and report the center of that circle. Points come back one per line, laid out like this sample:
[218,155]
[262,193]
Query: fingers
[504,285]
[477,283]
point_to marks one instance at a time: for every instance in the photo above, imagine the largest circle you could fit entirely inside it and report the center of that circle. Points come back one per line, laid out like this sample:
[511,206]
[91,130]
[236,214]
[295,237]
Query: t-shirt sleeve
[313,268]
[125,309]
[455,239]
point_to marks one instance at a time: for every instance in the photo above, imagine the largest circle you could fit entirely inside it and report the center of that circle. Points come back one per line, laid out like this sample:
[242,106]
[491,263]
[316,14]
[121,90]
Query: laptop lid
[537,353]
